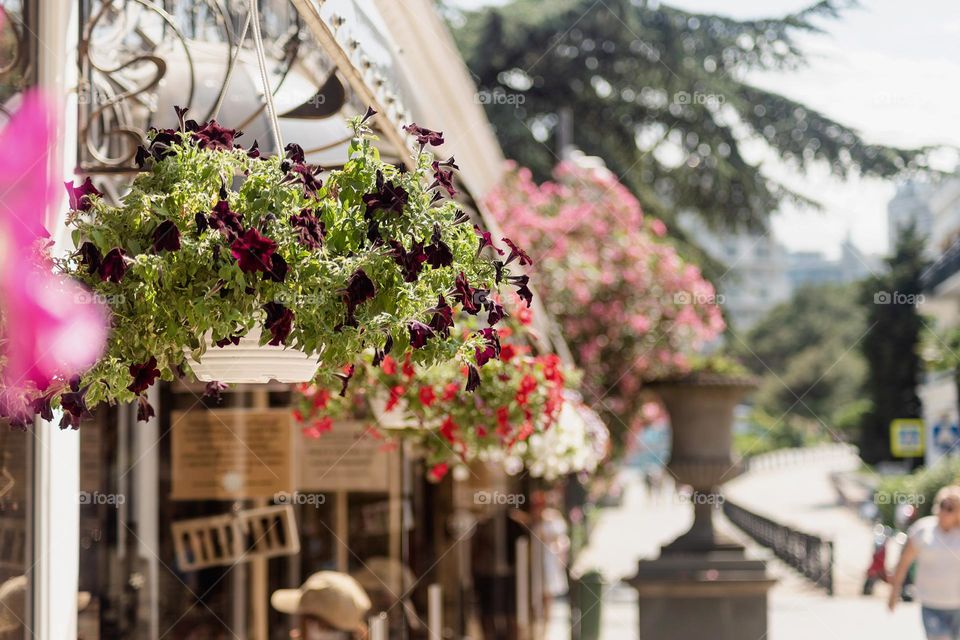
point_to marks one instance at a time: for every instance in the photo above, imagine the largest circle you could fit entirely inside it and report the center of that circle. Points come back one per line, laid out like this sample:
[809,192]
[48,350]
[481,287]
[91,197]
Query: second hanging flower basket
[239,267]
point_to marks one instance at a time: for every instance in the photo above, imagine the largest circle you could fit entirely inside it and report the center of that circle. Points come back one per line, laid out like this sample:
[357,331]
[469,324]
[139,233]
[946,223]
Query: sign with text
[344,459]
[906,437]
[231,454]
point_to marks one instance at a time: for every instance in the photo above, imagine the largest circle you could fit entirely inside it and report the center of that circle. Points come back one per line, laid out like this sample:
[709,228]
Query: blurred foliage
[811,375]
[891,345]
[659,94]
[918,488]
[766,432]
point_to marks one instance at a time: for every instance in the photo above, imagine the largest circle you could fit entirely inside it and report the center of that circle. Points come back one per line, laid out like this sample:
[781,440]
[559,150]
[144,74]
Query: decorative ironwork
[17,49]
[134,54]
[809,554]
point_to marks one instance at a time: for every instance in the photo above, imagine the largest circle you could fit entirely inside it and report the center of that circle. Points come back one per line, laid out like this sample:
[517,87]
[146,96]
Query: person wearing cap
[331,606]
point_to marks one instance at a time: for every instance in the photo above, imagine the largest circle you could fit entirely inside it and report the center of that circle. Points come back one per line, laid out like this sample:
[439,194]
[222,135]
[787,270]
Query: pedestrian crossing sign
[906,437]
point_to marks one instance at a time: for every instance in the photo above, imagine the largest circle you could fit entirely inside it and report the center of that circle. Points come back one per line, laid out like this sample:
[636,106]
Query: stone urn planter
[701,408]
[702,585]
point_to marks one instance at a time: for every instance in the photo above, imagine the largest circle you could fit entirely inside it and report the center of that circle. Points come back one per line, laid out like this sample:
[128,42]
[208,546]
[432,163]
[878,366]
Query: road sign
[906,437]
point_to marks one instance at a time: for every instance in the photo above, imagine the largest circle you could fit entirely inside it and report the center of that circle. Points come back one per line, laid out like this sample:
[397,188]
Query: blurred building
[756,271]
[941,303]
[761,273]
[910,206]
[815,268]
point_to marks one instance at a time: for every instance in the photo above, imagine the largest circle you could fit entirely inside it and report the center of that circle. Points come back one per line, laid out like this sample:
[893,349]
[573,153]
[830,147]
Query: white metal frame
[56,468]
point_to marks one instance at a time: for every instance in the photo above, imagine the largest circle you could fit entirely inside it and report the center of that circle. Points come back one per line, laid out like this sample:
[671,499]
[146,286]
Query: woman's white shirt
[938,564]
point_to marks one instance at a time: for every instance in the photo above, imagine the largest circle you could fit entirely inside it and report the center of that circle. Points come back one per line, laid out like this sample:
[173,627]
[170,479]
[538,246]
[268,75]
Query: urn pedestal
[703,585]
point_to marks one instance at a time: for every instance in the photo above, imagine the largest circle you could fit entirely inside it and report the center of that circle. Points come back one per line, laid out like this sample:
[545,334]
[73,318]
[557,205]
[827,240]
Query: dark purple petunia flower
[498,270]
[411,262]
[345,376]
[278,269]
[225,220]
[114,265]
[485,240]
[424,136]
[387,197]
[279,322]
[496,312]
[213,390]
[307,176]
[143,375]
[234,340]
[369,114]
[359,289]
[451,163]
[212,135]
[473,378]
[379,354]
[442,318]
[309,229]
[523,290]
[41,406]
[75,403]
[201,221]
[166,237]
[141,158]
[443,178]
[294,152]
[438,252]
[162,141]
[373,229]
[254,150]
[491,348]
[466,295]
[144,409]
[419,334]
[253,251]
[91,257]
[517,252]
[181,111]
[80,196]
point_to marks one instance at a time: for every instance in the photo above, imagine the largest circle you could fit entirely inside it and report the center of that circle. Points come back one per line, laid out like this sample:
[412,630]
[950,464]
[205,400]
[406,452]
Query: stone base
[721,595]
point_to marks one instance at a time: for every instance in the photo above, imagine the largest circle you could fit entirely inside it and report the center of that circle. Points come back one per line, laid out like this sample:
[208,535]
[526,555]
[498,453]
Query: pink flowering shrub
[631,308]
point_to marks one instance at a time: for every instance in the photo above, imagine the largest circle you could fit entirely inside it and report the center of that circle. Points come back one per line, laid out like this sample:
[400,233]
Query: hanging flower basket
[239,267]
[250,362]
[518,395]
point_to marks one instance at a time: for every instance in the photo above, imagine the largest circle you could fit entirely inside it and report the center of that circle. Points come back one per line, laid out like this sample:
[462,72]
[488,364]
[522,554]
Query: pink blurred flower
[51,326]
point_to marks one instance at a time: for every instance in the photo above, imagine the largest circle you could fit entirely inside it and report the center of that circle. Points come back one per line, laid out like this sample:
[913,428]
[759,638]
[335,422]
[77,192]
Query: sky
[887,68]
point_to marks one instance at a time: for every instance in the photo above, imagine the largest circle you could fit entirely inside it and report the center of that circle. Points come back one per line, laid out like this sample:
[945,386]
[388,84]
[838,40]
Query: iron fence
[811,555]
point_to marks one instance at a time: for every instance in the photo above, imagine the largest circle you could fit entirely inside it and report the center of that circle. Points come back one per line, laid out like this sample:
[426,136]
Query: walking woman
[934,543]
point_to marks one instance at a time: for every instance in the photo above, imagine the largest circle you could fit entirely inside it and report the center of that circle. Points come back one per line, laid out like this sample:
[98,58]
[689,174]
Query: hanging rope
[231,67]
[262,60]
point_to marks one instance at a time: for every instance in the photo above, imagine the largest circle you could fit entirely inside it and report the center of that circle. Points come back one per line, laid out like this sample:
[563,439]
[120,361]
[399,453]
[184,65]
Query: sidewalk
[797,611]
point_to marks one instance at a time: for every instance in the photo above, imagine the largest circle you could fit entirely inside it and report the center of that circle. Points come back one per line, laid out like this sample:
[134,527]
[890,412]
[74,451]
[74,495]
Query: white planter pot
[248,362]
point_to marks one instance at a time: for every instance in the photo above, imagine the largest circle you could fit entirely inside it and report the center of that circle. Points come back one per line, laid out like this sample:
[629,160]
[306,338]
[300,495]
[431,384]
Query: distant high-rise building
[755,280]
[910,205]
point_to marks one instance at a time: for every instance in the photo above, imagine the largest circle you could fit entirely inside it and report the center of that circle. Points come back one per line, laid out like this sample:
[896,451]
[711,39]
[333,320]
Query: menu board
[231,454]
[344,459]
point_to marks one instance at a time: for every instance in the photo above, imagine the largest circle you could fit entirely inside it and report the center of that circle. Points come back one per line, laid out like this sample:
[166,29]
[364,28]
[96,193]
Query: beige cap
[13,604]
[333,597]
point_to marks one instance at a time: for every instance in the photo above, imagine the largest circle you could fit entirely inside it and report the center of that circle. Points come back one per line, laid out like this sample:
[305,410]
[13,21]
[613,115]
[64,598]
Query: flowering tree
[631,308]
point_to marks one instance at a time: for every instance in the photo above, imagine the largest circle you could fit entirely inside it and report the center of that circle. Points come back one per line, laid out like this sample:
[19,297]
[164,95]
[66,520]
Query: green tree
[811,373]
[891,345]
[640,79]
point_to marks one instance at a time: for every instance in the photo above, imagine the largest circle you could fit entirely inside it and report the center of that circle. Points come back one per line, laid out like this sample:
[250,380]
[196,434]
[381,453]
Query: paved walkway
[801,495]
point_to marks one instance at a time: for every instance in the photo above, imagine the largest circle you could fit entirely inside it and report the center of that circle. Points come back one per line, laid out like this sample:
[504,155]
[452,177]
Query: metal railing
[811,555]
[945,266]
